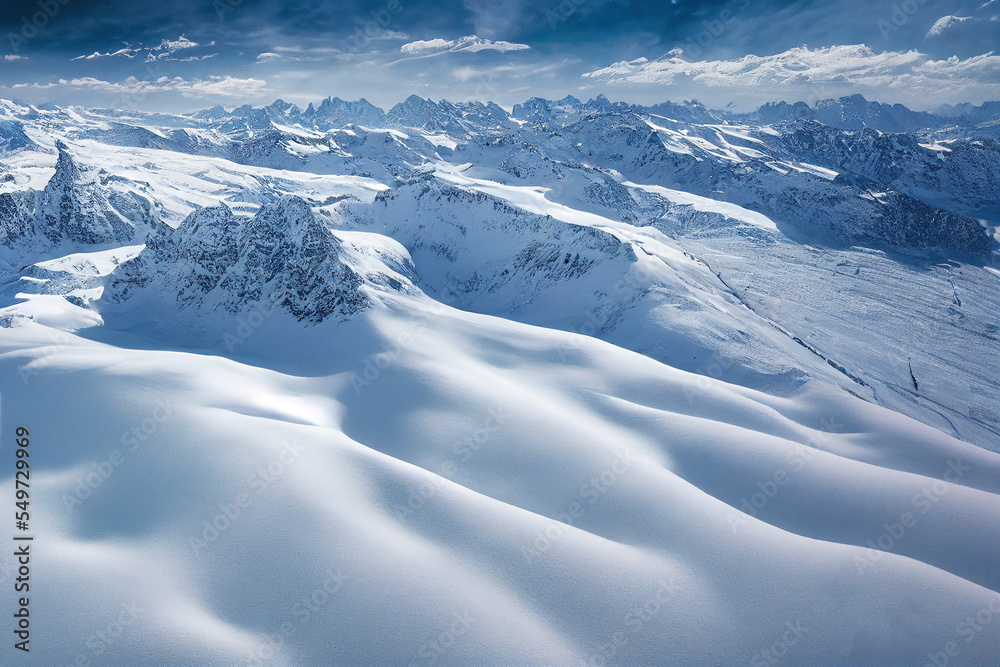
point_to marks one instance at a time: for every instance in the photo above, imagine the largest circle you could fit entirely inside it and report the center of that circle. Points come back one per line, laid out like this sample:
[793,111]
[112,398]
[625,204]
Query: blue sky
[187,54]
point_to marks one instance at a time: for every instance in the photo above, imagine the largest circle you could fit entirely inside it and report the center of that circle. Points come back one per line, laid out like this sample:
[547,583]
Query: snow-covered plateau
[578,383]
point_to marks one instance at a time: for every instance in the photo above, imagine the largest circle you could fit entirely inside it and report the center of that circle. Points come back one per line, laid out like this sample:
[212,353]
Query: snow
[98,263]
[710,206]
[53,311]
[621,392]
[357,497]
[441,140]
[182,183]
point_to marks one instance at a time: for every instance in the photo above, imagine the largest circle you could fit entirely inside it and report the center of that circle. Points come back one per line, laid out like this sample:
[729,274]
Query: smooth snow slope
[388,490]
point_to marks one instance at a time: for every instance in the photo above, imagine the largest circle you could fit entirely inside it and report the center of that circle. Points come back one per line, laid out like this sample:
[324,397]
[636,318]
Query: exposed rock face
[283,256]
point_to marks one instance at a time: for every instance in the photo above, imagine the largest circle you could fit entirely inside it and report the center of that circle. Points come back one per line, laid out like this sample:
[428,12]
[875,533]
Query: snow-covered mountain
[582,382]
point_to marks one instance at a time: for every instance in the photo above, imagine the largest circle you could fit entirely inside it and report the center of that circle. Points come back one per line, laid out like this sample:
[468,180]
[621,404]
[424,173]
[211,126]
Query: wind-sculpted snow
[480,497]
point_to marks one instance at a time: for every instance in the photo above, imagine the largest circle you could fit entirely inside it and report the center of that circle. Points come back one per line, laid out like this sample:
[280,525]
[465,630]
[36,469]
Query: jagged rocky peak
[286,227]
[335,112]
[417,112]
[535,108]
[853,112]
[284,108]
[75,209]
[67,171]
[218,112]
[602,104]
[283,256]
[570,102]
[15,225]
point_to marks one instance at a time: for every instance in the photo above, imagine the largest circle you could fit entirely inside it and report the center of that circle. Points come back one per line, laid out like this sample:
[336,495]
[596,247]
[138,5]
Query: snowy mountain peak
[67,172]
[217,263]
[335,112]
[72,211]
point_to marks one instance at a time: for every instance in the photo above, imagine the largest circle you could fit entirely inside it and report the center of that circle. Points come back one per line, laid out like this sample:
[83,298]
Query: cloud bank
[471,43]
[822,70]
[215,86]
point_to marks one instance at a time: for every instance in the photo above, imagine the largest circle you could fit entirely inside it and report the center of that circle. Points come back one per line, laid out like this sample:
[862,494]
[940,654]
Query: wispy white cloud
[296,56]
[13,57]
[164,51]
[471,43]
[215,86]
[857,67]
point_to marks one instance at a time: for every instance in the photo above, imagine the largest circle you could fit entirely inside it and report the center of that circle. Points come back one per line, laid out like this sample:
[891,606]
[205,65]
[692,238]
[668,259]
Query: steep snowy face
[853,112]
[729,164]
[218,262]
[74,210]
[12,136]
[334,112]
[479,246]
[457,119]
[958,175]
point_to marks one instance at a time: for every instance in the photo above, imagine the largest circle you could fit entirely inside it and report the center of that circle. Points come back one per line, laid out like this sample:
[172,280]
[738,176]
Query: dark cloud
[718,27]
[100,25]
